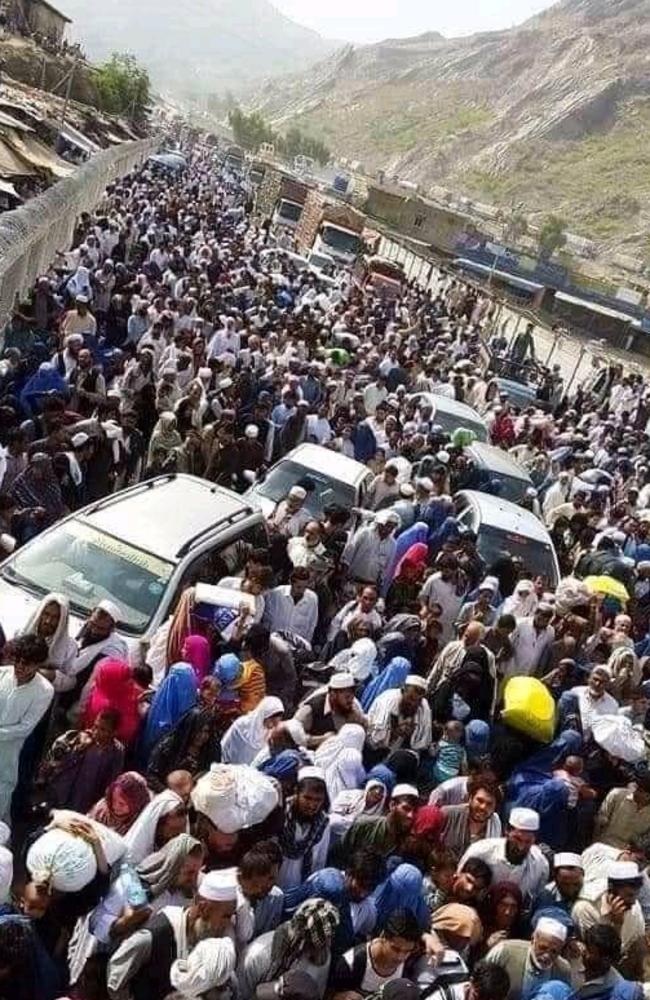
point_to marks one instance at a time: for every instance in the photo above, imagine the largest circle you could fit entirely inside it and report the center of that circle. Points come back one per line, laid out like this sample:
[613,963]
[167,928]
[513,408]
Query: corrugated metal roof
[13,165]
[11,122]
[38,155]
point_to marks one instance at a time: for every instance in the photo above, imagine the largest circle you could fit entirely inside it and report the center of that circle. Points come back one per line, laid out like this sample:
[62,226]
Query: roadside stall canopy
[38,155]
[507,276]
[573,300]
[11,164]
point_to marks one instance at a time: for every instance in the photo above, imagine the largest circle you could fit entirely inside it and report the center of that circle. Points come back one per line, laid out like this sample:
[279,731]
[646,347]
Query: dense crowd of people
[381,766]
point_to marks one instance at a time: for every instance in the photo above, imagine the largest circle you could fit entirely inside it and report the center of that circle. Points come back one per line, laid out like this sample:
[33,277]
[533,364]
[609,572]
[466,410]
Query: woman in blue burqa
[533,786]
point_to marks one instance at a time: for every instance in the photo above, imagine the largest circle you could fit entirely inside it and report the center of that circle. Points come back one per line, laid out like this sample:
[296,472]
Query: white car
[450,414]
[139,548]
[337,479]
[502,526]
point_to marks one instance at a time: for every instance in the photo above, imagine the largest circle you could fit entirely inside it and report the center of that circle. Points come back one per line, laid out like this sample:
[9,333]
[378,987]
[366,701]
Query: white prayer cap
[524,819]
[219,886]
[209,965]
[400,791]
[546,925]
[489,583]
[443,456]
[81,298]
[298,492]
[425,484]
[341,681]
[252,431]
[524,587]
[7,543]
[311,771]
[388,517]
[407,490]
[111,609]
[565,859]
[623,871]
[414,680]
[80,439]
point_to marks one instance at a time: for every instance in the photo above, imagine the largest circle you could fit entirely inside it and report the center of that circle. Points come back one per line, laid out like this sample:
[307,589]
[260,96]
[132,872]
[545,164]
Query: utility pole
[66,102]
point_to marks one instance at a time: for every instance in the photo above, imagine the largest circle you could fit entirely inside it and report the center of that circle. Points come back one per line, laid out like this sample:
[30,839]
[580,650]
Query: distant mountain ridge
[204,45]
[554,113]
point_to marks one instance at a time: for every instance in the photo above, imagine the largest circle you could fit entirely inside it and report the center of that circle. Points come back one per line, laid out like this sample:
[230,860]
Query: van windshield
[88,566]
[338,239]
[535,556]
[326,491]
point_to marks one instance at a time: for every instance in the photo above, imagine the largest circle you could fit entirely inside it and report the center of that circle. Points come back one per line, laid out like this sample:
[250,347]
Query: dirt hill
[554,113]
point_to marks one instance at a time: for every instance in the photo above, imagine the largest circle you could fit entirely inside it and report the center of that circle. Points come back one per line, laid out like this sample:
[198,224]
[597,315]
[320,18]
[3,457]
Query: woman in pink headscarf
[196,652]
[403,593]
[113,687]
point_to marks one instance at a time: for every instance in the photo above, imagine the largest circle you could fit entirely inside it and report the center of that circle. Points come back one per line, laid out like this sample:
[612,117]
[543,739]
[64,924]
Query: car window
[325,490]
[89,565]
[535,556]
[224,558]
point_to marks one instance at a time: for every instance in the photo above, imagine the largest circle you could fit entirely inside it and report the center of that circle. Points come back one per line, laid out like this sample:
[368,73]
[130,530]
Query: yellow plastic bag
[529,708]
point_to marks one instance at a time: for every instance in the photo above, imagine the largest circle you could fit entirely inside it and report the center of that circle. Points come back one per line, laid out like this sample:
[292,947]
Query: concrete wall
[417,219]
[46,21]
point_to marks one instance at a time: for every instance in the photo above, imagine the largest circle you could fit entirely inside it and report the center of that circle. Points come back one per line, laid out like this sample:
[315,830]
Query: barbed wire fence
[31,235]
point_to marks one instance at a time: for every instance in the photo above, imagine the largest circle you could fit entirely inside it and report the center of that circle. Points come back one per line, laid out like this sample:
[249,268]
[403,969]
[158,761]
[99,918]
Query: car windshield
[88,566]
[536,557]
[339,240]
[451,422]
[289,210]
[326,491]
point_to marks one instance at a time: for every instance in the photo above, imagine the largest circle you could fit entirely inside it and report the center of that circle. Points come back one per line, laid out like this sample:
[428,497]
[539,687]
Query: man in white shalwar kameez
[25,696]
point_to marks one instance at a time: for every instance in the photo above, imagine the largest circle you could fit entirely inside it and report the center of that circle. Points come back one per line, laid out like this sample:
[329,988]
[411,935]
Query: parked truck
[281,197]
[331,229]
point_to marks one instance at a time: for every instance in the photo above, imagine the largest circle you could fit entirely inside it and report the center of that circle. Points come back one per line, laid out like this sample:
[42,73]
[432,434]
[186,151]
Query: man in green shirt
[385,833]
[530,964]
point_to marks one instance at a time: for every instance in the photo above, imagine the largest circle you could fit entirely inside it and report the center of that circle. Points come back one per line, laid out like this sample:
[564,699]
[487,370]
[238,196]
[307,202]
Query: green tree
[552,235]
[124,86]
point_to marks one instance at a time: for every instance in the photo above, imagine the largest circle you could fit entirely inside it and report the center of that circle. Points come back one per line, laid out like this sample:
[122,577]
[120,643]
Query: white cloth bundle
[65,862]
[209,964]
[234,797]
[617,735]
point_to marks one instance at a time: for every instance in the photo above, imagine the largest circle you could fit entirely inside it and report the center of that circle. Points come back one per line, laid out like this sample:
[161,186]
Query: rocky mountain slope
[554,113]
[198,46]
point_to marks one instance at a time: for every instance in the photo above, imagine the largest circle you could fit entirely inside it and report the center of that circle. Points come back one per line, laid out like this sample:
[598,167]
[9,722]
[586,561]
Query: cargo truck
[330,228]
[281,197]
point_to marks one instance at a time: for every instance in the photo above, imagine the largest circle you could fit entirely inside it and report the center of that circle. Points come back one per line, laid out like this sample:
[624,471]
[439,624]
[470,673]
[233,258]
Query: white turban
[209,965]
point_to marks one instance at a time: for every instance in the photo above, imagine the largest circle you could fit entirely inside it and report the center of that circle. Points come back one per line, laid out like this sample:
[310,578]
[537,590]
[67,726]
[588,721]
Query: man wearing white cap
[141,965]
[530,964]
[515,857]
[97,640]
[568,878]
[385,834]
[401,719]
[329,708]
[530,640]
[290,516]
[371,549]
[614,899]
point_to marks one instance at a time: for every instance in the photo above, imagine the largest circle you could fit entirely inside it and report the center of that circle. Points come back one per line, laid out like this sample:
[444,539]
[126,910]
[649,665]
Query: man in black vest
[324,712]
[139,968]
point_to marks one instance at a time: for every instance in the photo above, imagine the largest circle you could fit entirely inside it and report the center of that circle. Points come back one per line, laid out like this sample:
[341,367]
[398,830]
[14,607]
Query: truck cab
[287,214]
[343,244]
